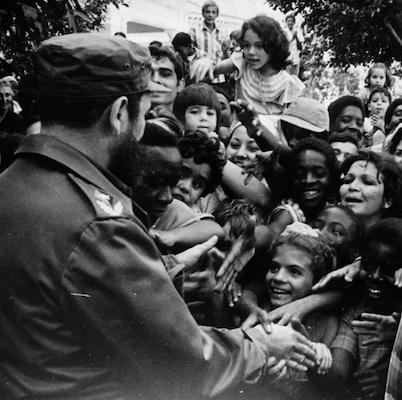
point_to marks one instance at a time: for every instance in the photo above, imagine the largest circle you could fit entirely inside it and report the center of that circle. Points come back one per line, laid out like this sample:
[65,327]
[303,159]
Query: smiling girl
[262,79]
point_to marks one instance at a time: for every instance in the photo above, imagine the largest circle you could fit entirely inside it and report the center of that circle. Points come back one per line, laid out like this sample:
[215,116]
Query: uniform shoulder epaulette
[105,205]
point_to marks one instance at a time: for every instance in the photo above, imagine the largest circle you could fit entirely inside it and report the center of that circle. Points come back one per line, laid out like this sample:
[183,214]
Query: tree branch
[393,32]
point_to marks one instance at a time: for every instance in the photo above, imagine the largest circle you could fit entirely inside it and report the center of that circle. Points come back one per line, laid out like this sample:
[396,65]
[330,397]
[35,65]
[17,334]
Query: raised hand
[383,328]
[238,256]
[347,274]
[202,68]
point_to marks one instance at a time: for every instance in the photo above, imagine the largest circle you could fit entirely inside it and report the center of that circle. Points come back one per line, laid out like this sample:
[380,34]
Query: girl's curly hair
[202,149]
[274,39]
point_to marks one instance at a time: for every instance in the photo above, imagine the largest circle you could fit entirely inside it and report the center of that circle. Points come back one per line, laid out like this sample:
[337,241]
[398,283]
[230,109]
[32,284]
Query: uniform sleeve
[120,297]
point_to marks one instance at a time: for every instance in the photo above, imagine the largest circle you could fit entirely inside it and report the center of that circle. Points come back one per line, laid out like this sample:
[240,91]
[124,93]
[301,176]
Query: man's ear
[180,85]
[118,114]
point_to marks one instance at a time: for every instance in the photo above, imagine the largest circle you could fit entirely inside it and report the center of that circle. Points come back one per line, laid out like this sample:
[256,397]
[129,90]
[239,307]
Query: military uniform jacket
[87,308]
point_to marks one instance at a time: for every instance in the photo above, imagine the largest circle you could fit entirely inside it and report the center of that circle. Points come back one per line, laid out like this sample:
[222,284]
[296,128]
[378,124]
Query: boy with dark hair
[167,70]
[344,145]
[362,348]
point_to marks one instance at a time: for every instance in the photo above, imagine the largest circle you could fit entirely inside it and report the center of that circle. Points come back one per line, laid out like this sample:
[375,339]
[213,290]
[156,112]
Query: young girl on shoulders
[378,75]
[261,79]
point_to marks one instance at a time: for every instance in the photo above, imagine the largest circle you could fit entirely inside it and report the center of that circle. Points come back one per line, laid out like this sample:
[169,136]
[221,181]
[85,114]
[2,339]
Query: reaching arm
[187,236]
[234,179]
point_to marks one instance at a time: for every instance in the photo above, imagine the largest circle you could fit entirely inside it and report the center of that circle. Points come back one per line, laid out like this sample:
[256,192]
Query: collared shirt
[372,355]
[210,42]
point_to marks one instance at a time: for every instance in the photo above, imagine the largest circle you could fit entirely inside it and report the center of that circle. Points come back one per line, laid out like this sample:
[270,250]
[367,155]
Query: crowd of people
[183,222]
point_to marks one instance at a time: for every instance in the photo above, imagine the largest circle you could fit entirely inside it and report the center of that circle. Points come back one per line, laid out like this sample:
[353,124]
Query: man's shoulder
[103,203]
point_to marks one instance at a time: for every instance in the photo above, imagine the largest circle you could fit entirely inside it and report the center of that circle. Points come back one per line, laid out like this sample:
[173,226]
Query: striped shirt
[268,95]
[210,42]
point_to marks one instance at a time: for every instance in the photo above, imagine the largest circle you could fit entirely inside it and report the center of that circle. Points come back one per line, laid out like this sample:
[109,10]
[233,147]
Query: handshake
[291,353]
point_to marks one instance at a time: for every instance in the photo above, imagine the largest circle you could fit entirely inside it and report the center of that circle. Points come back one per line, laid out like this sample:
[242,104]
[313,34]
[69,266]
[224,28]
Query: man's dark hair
[80,112]
[387,230]
[156,135]
[162,52]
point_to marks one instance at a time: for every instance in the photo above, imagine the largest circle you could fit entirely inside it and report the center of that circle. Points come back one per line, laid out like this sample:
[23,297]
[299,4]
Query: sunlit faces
[210,14]
[289,275]
[363,190]
[254,52]
[378,104]
[202,118]
[163,170]
[193,181]
[6,98]
[242,147]
[377,77]
[343,150]
[351,118]
[336,228]
[380,261]
[311,180]
[163,72]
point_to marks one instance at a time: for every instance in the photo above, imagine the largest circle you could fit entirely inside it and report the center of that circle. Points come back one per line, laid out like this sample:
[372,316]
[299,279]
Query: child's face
[335,226]
[202,118]
[289,276]
[311,180]
[191,186]
[253,50]
[362,189]
[380,261]
[242,147]
[343,150]
[377,77]
[378,104]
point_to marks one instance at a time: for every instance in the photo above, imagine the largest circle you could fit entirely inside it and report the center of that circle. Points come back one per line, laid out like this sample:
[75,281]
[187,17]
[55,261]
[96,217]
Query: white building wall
[179,15]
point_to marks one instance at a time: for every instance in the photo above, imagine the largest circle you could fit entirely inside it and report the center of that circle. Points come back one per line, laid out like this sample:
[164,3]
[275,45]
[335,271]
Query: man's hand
[383,328]
[201,68]
[285,343]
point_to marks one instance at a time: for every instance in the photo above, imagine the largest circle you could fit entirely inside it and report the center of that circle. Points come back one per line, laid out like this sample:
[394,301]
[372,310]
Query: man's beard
[124,162]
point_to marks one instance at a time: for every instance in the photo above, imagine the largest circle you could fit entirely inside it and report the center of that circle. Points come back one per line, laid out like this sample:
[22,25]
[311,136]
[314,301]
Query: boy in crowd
[362,348]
